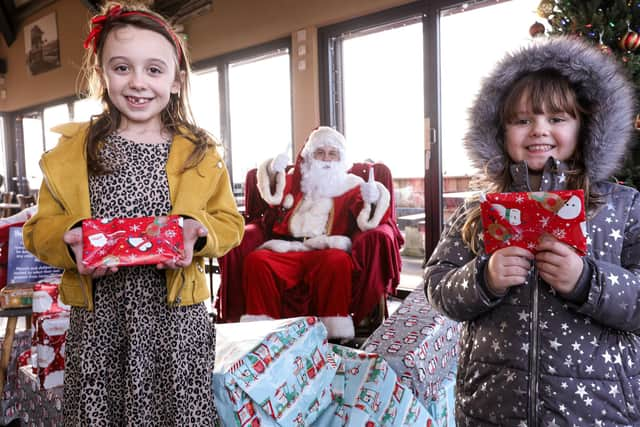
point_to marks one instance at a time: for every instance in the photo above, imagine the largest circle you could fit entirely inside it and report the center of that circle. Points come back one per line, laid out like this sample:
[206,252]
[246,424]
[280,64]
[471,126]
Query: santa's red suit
[310,250]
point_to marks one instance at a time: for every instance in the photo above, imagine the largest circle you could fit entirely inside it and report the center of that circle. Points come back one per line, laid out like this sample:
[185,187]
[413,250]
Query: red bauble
[537,29]
[630,41]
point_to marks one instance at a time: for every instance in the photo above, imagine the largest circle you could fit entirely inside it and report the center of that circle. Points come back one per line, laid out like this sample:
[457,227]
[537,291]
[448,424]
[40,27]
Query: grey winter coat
[535,358]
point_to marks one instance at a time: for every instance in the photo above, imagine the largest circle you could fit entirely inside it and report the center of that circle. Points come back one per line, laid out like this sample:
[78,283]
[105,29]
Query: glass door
[464,61]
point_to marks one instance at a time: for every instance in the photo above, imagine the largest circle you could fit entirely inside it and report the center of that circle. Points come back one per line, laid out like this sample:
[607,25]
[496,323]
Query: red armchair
[376,254]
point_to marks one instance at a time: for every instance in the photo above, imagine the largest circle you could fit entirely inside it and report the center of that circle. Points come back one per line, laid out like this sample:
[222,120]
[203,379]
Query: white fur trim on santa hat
[264,184]
[366,221]
[254,317]
[324,136]
[338,326]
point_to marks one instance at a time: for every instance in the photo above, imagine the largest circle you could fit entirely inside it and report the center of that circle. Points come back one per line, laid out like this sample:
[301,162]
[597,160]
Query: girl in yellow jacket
[140,346]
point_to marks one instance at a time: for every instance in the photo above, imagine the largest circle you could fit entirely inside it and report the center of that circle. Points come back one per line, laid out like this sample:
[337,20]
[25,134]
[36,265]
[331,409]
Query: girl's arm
[614,289]
[218,213]
[454,276]
[43,233]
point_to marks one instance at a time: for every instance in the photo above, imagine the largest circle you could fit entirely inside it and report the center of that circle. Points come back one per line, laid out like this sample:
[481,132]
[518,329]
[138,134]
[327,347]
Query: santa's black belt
[291,238]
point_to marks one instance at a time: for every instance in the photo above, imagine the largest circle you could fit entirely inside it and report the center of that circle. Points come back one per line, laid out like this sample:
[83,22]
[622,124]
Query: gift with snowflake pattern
[132,241]
[521,218]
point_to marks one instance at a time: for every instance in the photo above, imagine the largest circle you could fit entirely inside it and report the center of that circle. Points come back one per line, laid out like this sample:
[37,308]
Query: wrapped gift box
[46,300]
[16,296]
[50,346]
[520,218]
[443,408]
[283,373]
[420,345]
[273,373]
[132,241]
[10,405]
[38,407]
[367,392]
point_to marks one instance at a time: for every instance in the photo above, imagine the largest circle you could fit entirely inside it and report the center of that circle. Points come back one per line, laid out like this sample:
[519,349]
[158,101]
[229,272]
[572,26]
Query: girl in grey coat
[549,339]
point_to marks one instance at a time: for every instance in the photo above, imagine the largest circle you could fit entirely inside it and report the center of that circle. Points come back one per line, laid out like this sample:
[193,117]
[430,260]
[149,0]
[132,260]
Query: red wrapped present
[521,218]
[52,335]
[132,241]
[46,299]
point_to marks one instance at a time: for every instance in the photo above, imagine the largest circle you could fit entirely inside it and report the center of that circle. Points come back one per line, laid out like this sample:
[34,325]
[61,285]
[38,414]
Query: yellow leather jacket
[202,193]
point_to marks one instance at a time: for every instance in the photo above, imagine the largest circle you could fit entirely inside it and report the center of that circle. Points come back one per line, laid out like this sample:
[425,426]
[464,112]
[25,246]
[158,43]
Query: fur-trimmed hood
[597,78]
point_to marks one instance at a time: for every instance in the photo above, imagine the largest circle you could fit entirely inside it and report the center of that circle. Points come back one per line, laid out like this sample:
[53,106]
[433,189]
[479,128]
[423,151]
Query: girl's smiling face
[535,136]
[139,71]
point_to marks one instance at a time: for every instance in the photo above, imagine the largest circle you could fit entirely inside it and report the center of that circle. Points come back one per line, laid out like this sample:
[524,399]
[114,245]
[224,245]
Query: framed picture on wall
[41,44]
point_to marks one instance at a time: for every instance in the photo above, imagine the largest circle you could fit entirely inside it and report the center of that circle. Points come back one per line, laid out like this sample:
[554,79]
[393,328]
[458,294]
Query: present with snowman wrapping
[132,241]
[521,218]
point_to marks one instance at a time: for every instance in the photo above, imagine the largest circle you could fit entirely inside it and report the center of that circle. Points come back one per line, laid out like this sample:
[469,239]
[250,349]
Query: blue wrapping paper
[283,380]
[367,392]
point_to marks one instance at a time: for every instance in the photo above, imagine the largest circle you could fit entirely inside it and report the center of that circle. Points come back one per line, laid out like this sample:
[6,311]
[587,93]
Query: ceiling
[14,12]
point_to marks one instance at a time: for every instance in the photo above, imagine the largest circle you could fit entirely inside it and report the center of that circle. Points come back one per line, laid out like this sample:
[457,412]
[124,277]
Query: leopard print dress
[135,361]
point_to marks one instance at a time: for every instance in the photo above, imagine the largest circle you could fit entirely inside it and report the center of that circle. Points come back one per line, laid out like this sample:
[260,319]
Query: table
[12,315]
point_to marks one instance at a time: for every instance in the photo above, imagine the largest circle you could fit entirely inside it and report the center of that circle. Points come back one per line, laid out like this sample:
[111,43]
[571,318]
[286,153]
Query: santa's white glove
[369,190]
[325,242]
[279,163]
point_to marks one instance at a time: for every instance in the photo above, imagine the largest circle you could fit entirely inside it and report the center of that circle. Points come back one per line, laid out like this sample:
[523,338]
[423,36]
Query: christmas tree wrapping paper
[132,241]
[521,219]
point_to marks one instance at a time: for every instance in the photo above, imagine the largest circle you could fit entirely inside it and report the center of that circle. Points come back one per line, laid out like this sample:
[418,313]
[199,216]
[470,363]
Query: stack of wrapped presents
[285,373]
[42,376]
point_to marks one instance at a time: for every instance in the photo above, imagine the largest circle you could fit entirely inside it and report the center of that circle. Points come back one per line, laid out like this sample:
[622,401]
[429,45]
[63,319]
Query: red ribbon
[97,24]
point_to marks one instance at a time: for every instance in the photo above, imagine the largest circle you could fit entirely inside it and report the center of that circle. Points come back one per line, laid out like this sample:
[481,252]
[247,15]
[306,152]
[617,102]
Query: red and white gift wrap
[521,218]
[46,300]
[52,334]
[132,241]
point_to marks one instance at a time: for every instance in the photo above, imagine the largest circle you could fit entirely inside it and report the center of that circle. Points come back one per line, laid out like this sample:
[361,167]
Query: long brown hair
[545,91]
[176,118]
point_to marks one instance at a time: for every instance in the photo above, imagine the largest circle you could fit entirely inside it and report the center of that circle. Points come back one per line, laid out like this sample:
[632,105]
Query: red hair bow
[97,23]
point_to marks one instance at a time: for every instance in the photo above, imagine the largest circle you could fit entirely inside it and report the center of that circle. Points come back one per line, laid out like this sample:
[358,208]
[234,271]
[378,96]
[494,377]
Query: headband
[115,11]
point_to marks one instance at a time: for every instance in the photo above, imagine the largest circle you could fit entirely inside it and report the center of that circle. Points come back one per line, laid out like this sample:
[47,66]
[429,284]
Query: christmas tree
[613,26]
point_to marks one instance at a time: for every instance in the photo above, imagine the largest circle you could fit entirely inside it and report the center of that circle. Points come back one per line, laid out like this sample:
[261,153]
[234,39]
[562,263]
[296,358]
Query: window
[374,93]
[244,99]
[398,83]
[460,82]
[260,101]
[83,109]
[205,101]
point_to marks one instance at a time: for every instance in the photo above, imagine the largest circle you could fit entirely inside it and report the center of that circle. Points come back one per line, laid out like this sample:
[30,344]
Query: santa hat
[324,136]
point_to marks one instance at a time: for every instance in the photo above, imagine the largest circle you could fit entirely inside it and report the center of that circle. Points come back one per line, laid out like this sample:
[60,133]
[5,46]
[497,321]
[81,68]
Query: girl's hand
[558,264]
[73,238]
[192,230]
[508,267]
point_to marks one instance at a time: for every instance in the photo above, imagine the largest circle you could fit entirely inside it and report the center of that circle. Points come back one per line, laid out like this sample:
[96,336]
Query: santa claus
[321,206]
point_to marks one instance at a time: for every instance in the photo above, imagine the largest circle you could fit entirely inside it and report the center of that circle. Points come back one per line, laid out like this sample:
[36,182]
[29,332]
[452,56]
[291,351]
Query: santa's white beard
[323,179]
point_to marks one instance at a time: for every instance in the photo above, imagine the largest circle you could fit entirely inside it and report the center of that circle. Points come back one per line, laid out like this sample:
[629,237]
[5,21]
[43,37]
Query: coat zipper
[534,364]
